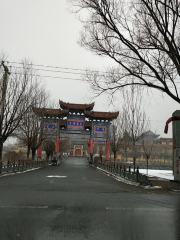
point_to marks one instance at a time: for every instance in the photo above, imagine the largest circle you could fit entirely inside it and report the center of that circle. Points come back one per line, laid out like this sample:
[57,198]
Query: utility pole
[2,103]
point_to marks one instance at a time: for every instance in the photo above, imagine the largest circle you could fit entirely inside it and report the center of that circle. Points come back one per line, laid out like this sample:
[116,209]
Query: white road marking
[80,163]
[55,176]
[141,209]
[26,207]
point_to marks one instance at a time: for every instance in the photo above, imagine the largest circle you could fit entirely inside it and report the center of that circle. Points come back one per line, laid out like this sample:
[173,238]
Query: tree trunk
[33,153]
[28,152]
[48,155]
[115,156]
[134,163]
[147,164]
[1,149]
[134,158]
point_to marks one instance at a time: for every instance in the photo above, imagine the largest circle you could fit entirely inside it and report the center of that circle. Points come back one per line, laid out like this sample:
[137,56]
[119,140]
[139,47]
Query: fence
[125,173]
[23,165]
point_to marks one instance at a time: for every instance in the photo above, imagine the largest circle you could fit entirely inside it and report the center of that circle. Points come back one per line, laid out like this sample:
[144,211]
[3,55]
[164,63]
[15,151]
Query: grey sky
[45,32]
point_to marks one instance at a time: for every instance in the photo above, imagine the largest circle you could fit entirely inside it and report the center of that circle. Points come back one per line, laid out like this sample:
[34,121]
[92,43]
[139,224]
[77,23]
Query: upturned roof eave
[101,115]
[77,106]
[50,112]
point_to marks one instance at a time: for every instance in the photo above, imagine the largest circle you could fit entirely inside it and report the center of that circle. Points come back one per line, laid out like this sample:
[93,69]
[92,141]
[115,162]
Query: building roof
[150,134]
[50,112]
[78,106]
[65,107]
[102,115]
[165,139]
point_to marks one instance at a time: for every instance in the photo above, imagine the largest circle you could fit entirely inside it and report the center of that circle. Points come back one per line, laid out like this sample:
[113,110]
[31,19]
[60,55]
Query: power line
[45,70]
[47,66]
[57,77]
[41,65]
[75,79]
[76,69]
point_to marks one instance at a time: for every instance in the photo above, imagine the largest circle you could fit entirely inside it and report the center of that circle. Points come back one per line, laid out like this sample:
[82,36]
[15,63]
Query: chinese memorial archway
[78,122]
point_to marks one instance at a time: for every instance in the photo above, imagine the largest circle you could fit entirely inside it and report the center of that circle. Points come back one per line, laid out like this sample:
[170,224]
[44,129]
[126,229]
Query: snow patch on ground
[165,174]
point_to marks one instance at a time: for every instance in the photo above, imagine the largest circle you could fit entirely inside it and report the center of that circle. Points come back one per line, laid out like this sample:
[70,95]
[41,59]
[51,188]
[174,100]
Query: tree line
[20,91]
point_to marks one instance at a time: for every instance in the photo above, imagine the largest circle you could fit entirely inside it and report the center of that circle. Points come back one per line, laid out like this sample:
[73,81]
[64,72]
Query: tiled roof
[164,139]
[50,112]
[65,105]
[102,115]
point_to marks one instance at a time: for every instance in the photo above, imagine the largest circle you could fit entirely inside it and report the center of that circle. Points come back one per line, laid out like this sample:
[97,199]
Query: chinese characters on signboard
[100,129]
[50,126]
[78,146]
[76,124]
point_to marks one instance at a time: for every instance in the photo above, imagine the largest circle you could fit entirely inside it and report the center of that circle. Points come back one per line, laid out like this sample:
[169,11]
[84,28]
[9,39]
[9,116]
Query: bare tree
[17,93]
[118,140]
[12,156]
[125,143]
[140,36]
[49,148]
[65,146]
[114,141]
[31,132]
[147,145]
[134,116]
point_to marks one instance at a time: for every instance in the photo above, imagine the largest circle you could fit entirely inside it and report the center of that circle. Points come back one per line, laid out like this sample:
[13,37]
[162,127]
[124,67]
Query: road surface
[75,201]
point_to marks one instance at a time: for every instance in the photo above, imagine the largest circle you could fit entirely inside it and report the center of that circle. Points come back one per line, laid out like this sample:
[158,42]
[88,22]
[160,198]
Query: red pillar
[91,146]
[57,145]
[39,151]
[107,149]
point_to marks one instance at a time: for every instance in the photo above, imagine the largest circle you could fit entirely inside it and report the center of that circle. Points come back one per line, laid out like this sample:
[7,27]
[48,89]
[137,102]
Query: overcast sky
[46,32]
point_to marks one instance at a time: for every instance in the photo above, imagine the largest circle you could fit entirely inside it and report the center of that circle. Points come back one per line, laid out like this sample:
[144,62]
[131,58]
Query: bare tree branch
[141,36]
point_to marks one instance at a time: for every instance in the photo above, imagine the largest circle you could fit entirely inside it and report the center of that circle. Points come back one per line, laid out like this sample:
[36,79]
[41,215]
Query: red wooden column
[39,151]
[57,145]
[90,145]
[107,149]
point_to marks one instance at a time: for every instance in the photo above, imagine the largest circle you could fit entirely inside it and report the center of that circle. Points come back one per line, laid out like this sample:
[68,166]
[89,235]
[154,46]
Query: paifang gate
[78,122]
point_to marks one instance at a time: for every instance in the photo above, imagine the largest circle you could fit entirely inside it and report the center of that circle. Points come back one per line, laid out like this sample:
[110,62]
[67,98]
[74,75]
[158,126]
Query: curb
[127,181]
[124,180]
[4,174]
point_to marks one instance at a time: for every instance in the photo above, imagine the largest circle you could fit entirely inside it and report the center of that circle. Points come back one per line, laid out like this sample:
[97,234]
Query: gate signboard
[75,124]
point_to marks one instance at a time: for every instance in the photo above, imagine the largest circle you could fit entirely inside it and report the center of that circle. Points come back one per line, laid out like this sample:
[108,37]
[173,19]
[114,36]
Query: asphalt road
[75,201]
